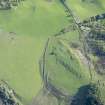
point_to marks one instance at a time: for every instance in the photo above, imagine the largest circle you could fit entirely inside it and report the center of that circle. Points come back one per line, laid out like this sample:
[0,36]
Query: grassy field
[23,33]
[86,9]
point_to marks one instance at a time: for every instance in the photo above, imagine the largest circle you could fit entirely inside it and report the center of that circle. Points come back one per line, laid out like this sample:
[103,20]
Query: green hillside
[23,33]
[71,68]
[50,51]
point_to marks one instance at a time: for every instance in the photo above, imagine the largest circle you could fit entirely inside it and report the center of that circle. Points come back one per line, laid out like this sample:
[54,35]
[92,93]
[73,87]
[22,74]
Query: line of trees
[95,18]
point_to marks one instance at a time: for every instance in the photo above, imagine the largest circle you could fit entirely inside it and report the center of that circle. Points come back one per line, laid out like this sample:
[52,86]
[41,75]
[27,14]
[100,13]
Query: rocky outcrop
[8,4]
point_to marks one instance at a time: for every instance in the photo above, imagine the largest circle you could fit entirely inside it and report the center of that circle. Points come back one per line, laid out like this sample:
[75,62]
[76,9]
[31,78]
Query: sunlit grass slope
[25,31]
[64,65]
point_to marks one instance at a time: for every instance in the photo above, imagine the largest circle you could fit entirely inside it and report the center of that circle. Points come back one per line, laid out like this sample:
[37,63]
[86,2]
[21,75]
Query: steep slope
[67,67]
